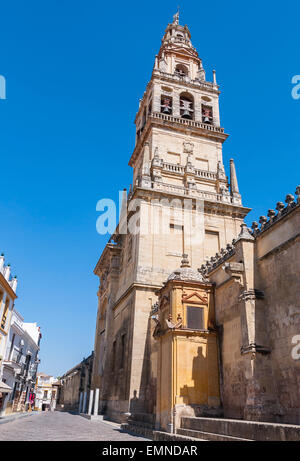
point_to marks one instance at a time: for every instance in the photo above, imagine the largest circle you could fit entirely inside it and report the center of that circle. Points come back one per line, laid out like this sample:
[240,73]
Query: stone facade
[258,317]
[151,364]
[74,389]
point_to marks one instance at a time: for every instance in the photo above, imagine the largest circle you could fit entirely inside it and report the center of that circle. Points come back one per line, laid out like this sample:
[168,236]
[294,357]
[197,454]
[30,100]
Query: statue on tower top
[176,17]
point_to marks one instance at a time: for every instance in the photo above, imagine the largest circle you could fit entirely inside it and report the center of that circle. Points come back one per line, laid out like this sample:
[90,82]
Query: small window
[211,243]
[195,318]
[176,228]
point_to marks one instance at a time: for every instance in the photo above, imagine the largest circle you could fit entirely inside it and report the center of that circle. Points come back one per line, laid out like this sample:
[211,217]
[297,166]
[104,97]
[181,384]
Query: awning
[5,388]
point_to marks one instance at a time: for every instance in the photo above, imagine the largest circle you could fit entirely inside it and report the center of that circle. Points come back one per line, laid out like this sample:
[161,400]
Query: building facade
[193,341]
[21,363]
[8,295]
[46,389]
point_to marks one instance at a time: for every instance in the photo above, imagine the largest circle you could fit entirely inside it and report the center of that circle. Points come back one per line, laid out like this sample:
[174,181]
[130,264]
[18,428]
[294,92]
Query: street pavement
[62,426]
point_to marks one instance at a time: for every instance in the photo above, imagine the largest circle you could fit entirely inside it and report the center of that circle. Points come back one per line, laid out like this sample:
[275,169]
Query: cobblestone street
[62,426]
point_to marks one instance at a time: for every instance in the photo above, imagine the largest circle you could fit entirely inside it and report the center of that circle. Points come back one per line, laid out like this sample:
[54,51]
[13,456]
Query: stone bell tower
[178,150]
[177,156]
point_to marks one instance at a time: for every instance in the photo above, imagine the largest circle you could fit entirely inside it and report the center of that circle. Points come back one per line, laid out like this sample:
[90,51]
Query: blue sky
[75,71]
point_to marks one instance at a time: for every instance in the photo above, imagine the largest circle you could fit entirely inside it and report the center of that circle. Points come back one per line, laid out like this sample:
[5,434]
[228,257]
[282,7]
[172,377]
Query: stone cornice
[207,286]
[109,247]
[130,289]
[209,205]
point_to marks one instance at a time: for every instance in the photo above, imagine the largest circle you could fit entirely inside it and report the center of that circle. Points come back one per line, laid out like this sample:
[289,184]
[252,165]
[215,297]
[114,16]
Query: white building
[20,363]
[8,295]
[46,392]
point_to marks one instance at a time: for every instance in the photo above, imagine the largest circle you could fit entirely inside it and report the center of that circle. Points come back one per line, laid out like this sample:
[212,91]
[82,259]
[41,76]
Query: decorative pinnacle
[185,261]
[233,179]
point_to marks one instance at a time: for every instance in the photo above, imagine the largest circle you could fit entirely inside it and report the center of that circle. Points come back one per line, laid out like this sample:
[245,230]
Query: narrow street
[62,426]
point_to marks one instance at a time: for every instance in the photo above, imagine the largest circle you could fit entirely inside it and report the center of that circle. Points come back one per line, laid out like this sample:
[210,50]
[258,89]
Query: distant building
[75,387]
[46,392]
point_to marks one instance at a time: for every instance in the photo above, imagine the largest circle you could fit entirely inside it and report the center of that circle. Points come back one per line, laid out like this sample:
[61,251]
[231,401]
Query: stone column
[80,402]
[84,403]
[91,401]
[96,404]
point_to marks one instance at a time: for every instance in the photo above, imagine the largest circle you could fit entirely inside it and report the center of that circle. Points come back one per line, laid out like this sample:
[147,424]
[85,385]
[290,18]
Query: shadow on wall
[143,403]
[198,393]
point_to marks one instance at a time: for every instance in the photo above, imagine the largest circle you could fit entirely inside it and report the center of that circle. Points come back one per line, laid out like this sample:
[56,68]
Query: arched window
[207,114]
[166,104]
[186,106]
[181,70]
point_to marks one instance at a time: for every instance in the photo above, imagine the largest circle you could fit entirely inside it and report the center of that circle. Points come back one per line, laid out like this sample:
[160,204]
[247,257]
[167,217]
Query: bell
[166,110]
[206,119]
[186,113]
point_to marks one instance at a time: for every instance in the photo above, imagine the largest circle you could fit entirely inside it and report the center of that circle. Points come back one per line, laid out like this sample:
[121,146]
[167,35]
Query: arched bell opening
[181,70]
[187,106]
[207,114]
[166,104]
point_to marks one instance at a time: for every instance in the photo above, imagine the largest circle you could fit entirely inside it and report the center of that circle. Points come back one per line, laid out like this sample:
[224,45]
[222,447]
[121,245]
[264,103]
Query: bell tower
[179,139]
[177,156]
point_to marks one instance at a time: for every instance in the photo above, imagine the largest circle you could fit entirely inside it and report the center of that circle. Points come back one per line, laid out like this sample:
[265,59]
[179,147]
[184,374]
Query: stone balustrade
[180,169]
[206,174]
[173,168]
[187,122]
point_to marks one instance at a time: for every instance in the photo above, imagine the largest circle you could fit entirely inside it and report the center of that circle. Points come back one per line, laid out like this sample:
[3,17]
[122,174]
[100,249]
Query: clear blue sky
[75,71]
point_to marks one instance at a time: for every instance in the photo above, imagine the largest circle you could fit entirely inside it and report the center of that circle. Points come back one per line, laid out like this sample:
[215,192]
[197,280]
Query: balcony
[14,362]
[187,122]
